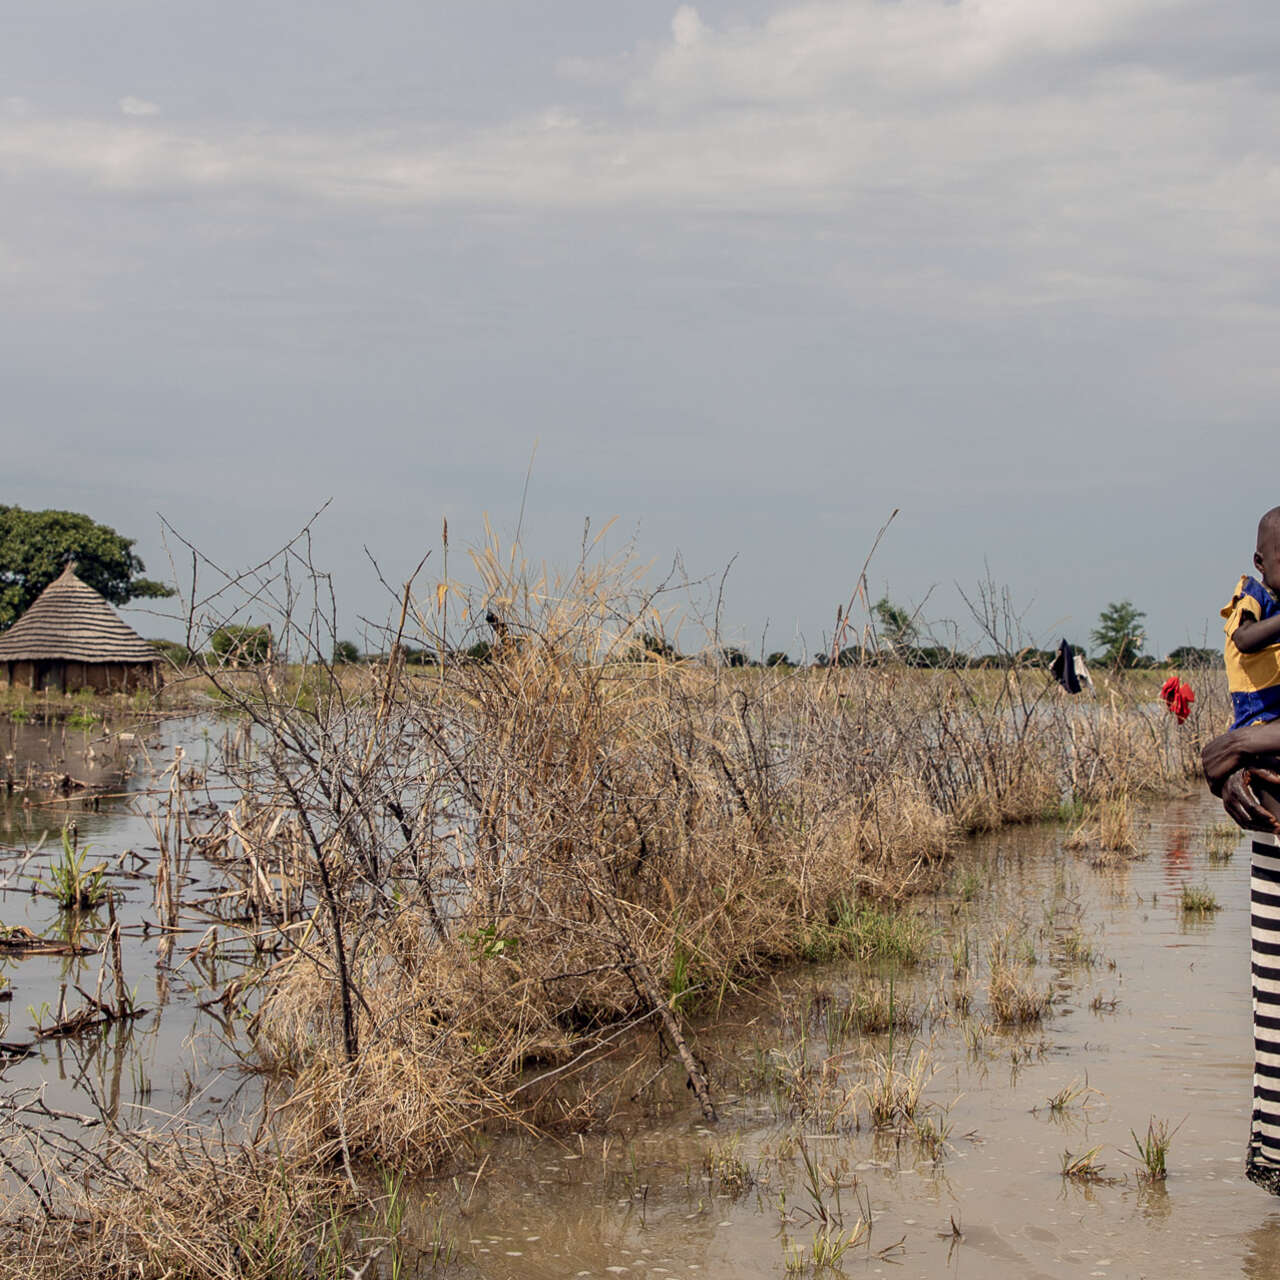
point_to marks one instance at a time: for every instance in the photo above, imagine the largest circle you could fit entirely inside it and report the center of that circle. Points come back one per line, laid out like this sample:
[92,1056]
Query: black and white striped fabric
[1263,1163]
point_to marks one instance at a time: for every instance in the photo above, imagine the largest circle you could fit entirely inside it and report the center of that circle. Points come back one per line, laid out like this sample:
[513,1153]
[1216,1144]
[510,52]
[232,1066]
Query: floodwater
[174,1056]
[1157,1020]
[1150,1020]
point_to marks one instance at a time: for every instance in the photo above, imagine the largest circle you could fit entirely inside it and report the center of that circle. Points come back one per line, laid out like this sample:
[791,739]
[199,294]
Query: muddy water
[1157,1019]
[174,1056]
[1151,1008]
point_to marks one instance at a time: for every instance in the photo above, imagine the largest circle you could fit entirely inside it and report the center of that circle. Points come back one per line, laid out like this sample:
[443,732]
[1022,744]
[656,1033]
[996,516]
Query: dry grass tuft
[1108,825]
[1015,997]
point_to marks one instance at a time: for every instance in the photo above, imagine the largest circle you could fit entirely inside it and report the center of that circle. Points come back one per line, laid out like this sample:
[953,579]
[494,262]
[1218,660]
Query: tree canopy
[1119,634]
[35,547]
[897,625]
[1189,655]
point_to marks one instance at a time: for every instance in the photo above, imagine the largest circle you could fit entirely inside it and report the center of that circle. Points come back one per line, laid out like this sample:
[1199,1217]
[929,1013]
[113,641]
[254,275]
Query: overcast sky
[749,275]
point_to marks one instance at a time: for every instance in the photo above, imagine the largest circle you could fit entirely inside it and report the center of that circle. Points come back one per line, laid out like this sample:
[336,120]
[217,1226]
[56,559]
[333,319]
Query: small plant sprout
[932,1129]
[726,1168]
[1198,900]
[1152,1152]
[73,886]
[1075,1094]
[893,1094]
[1220,841]
[1085,1167]
[1074,948]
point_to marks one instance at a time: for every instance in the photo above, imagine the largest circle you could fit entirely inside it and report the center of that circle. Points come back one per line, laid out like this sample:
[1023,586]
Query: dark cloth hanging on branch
[1064,669]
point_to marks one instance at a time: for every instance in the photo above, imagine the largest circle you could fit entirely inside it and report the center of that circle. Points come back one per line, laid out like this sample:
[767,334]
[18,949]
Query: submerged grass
[1014,994]
[868,932]
[1152,1150]
[1085,1167]
[1198,900]
[1108,825]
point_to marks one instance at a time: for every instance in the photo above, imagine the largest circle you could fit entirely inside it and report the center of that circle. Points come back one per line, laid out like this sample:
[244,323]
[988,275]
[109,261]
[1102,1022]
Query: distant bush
[241,646]
[344,652]
[177,653]
[1187,655]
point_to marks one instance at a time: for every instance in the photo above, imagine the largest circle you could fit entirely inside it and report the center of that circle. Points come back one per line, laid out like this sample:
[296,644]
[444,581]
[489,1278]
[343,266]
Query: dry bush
[499,860]
[177,1203]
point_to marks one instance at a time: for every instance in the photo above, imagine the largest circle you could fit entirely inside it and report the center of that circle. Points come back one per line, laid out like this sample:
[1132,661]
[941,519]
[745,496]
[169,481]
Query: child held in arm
[1252,649]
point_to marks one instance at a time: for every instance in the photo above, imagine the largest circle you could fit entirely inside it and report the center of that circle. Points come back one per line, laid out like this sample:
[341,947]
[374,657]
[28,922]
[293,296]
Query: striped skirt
[1263,1162]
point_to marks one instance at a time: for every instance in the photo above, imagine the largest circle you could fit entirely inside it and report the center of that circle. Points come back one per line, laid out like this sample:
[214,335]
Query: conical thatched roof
[71,621]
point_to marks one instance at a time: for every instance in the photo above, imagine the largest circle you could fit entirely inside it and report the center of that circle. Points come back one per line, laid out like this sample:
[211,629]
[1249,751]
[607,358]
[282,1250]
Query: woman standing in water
[1243,769]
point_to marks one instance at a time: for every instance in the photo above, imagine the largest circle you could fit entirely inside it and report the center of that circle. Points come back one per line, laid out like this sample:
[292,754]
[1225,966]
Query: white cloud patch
[1045,137]
[823,48]
[687,28]
[138,107]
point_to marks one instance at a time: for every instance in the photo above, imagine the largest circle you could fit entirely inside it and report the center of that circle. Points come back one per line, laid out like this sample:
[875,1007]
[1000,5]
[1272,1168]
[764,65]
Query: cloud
[687,28]
[138,107]
[814,51]
[1025,148]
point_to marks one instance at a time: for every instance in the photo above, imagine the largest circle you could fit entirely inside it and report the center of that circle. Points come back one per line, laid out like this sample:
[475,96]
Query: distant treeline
[243,646]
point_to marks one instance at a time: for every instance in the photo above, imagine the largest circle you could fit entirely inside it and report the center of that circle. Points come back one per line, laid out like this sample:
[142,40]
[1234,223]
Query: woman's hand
[1242,805]
[1222,757]
[1231,763]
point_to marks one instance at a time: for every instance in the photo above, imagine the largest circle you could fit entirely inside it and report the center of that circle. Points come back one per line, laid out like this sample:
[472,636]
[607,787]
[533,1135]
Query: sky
[743,278]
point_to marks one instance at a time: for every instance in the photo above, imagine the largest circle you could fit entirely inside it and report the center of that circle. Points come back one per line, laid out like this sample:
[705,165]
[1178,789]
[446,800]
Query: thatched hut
[71,638]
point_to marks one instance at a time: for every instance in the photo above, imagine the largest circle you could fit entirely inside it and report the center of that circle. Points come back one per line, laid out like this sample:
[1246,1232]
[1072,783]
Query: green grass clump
[1220,841]
[75,887]
[866,932]
[1152,1152]
[1198,901]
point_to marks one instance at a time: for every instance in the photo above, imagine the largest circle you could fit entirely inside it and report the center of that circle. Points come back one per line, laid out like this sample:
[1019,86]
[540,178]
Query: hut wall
[68,677]
[21,674]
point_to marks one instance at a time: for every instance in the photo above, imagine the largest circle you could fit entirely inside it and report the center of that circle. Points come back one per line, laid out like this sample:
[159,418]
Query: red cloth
[1178,696]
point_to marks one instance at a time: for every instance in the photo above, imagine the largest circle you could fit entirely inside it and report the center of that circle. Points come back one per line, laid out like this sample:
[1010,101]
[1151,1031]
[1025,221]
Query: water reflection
[106,784]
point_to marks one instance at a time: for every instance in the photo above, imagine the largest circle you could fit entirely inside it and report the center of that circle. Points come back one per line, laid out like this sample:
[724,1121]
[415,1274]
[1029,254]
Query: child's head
[1266,559]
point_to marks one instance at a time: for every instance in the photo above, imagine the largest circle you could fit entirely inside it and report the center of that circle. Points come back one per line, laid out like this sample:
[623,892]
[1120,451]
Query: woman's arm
[1230,762]
[1231,751]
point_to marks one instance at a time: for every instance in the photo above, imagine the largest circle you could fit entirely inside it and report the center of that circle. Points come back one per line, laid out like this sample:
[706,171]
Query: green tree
[1188,655]
[345,652]
[651,648]
[36,545]
[778,659]
[241,646]
[1119,636]
[896,624]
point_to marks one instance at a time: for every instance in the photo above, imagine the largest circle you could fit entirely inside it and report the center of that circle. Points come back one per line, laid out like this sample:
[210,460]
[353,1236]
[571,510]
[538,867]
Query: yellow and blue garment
[1253,678]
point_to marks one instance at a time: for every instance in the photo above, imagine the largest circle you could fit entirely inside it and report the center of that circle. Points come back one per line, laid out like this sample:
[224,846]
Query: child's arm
[1254,634]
